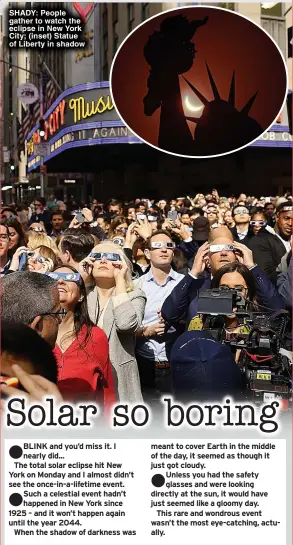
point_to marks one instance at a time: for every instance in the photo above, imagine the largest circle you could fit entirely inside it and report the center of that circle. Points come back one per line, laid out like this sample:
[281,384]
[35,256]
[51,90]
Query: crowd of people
[106,293]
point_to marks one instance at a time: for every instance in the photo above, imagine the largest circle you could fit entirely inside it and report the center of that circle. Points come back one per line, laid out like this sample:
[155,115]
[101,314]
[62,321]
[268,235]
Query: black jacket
[245,240]
[268,251]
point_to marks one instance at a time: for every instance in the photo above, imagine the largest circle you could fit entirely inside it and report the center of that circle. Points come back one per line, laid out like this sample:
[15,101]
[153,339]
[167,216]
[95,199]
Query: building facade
[117,172]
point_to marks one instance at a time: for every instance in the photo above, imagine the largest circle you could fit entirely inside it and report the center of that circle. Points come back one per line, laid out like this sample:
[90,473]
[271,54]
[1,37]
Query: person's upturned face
[285,223]
[4,241]
[104,268]
[218,259]
[57,222]
[212,215]
[228,217]
[258,218]
[69,292]
[161,256]
[115,209]
[269,210]
[121,230]
[13,237]
[241,215]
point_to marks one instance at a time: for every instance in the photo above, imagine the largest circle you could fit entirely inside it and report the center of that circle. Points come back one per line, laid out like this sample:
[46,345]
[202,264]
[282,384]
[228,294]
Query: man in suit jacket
[270,245]
[183,299]
[242,232]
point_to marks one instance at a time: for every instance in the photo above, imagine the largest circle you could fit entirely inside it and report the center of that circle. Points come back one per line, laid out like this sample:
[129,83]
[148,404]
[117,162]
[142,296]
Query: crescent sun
[191,107]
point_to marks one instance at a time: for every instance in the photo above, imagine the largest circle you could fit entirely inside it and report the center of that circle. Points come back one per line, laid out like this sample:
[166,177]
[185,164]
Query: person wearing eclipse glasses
[258,221]
[242,232]
[118,308]
[82,349]
[155,338]
[210,258]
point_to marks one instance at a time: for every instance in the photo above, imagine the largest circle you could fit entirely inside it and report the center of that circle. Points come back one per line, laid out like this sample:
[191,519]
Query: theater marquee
[82,115]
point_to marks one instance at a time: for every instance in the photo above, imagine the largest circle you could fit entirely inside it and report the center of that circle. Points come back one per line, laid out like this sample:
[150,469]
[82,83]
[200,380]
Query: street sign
[42,149]
[27,93]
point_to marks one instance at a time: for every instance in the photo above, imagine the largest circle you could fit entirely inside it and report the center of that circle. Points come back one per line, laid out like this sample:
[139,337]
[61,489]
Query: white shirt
[155,348]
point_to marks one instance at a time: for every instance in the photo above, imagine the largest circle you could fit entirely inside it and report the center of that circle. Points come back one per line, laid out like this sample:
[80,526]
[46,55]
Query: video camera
[263,359]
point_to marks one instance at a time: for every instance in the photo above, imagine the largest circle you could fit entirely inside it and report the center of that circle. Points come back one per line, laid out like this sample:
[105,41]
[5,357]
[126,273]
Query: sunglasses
[38,258]
[121,230]
[215,248]
[241,211]
[261,223]
[105,255]
[67,277]
[156,245]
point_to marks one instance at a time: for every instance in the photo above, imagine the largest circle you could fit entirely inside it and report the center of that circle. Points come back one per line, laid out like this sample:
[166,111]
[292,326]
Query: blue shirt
[154,348]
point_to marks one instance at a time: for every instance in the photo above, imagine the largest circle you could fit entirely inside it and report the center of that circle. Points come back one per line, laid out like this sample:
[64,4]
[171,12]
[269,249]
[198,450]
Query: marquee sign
[85,115]
[81,115]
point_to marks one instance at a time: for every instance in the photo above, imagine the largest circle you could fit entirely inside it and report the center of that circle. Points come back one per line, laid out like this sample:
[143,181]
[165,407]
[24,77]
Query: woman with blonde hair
[35,240]
[41,260]
[118,308]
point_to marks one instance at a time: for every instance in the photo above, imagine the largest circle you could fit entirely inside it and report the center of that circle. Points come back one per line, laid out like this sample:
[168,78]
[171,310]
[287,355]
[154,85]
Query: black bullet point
[15,452]
[158,480]
[15,499]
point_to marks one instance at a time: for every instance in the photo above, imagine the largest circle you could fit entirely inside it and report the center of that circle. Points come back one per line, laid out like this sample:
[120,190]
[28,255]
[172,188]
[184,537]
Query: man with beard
[269,246]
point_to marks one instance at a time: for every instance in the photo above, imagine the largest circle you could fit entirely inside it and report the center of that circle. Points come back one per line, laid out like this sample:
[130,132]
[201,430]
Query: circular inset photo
[198,81]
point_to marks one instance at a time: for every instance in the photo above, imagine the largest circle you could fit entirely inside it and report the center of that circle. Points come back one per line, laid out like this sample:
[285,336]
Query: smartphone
[22,262]
[141,216]
[119,241]
[172,215]
[80,217]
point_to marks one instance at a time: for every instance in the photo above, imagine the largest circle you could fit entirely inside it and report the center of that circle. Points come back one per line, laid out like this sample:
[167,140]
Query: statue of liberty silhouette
[221,127]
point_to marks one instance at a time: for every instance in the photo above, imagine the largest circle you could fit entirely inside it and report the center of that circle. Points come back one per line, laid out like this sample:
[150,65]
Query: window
[145,12]
[227,6]
[276,28]
[274,11]
[130,16]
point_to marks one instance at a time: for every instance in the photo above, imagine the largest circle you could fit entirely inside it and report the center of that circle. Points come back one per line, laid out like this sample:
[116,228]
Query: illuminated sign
[81,107]
[85,115]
